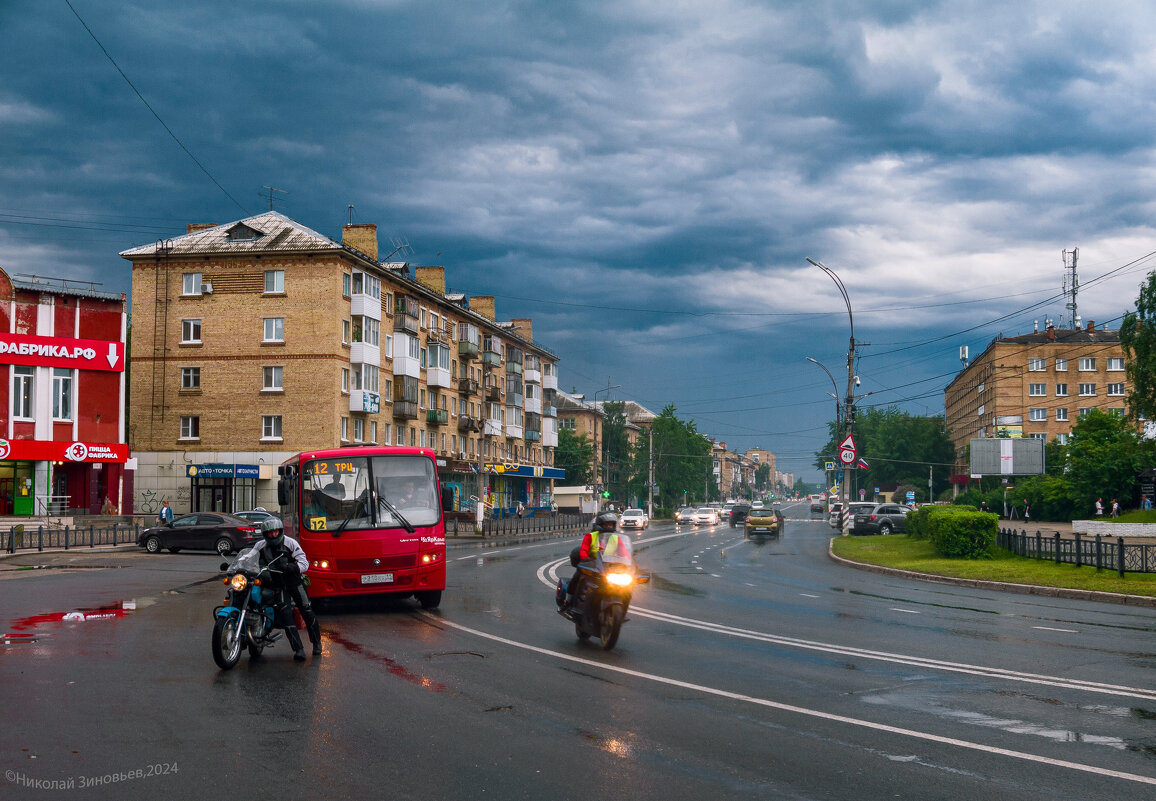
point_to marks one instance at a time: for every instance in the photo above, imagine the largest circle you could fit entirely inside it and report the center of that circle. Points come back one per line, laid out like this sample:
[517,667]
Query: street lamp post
[834,395]
[602,448]
[849,405]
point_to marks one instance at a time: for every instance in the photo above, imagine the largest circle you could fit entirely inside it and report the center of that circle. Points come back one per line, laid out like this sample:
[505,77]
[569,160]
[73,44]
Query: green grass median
[903,553]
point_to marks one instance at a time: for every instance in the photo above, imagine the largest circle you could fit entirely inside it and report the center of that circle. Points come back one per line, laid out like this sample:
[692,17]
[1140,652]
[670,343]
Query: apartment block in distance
[260,338]
[1036,385]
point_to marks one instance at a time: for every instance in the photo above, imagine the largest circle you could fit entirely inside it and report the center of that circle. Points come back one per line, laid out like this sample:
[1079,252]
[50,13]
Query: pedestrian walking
[1027,511]
[1115,508]
[1146,503]
[521,509]
[1099,507]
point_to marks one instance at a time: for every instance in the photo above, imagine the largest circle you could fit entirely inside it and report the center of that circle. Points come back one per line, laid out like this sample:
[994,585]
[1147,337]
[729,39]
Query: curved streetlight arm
[842,291]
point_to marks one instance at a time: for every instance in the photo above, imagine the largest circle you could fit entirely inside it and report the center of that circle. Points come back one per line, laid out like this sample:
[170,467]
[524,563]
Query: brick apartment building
[1036,385]
[260,338]
[62,447]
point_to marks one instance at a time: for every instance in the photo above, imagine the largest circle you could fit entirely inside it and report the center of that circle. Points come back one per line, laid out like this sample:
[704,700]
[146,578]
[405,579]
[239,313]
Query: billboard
[1007,457]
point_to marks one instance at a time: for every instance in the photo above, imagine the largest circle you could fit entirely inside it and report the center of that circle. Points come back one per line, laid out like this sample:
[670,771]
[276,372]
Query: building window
[358,430]
[345,379]
[400,436]
[190,378]
[61,393]
[1116,389]
[1087,389]
[1038,414]
[190,332]
[980,410]
[345,429]
[1061,390]
[373,431]
[1117,411]
[274,329]
[1115,364]
[191,284]
[1037,389]
[1038,436]
[1088,363]
[1083,412]
[1035,365]
[1062,415]
[271,426]
[1062,439]
[346,284]
[571,423]
[271,379]
[22,381]
[191,427]
[979,389]
[274,282]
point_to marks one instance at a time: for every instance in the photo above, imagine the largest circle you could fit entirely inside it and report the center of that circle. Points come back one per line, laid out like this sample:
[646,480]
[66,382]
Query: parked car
[685,514]
[767,520]
[203,531]
[833,514]
[634,518]
[259,516]
[883,518]
[706,515]
[854,508]
[739,514]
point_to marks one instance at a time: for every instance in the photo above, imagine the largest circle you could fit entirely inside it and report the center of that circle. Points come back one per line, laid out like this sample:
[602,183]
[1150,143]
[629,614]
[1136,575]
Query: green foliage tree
[617,452]
[763,478]
[1105,454]
[1138,338]
[575,455]
[682,459]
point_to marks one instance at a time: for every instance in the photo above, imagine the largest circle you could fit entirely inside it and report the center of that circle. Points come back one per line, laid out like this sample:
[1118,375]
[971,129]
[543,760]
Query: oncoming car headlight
[620,579]
[239,582]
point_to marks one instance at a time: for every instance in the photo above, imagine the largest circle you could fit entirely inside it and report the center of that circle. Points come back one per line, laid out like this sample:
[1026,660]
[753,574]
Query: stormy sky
[645,179]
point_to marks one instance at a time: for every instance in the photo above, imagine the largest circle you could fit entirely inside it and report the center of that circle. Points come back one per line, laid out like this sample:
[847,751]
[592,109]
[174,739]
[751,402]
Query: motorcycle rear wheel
[226,642]
[611,626]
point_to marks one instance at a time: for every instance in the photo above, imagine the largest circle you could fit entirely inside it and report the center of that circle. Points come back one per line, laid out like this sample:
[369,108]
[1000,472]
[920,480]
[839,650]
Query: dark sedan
[201,531]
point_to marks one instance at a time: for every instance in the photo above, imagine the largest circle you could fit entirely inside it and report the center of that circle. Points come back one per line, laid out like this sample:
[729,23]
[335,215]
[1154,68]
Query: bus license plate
[377,578]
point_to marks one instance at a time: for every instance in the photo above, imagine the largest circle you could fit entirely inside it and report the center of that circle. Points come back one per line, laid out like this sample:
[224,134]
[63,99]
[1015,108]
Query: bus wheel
[429,599]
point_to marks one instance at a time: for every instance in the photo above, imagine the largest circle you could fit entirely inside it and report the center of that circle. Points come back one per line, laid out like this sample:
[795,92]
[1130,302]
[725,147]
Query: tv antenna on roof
[271,189]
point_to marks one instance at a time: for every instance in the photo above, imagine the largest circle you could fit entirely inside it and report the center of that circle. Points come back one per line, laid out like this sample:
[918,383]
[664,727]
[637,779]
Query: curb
[78,549]
[1001,586]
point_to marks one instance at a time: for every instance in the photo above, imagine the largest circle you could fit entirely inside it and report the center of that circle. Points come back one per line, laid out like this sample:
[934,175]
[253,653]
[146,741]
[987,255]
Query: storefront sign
[531,471]
[222,470]
[83,354]
[38,450]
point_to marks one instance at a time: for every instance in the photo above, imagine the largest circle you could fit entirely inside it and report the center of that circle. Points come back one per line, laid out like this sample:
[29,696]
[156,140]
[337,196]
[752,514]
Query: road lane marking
[808,595]
[798,710]
[907,611]
[1049,628]
[549,569]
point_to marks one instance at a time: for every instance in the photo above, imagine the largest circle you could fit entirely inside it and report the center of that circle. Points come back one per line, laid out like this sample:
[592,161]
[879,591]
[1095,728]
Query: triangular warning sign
[848,444]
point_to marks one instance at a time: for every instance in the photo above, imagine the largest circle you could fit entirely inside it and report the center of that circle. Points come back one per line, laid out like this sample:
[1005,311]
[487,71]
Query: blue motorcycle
[253,612]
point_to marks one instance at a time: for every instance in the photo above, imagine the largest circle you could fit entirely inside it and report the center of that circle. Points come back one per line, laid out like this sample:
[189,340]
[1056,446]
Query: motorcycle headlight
[620,579]
[239,582]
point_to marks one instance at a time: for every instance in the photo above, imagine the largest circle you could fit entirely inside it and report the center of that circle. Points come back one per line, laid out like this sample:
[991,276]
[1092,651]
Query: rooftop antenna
[271,189]
[351,214]
[1070,287]
[963,354]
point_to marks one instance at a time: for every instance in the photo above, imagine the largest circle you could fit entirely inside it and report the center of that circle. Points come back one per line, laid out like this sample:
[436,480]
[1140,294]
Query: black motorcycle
[253,612]
[602,597]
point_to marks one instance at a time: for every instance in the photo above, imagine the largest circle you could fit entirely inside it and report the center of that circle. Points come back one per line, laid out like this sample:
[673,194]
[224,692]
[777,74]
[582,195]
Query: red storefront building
[62,426]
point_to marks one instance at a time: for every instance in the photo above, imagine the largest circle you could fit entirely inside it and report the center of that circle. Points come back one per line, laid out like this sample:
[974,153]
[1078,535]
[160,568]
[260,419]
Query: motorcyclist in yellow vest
[602,539]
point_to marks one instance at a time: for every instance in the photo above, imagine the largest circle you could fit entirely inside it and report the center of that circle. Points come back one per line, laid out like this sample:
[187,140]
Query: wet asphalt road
[748,669]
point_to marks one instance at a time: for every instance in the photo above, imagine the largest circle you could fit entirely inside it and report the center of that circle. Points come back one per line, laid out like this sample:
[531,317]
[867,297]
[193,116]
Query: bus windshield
[357,493]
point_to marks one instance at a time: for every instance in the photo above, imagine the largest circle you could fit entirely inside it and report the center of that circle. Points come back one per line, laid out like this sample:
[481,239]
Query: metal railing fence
[1099,552]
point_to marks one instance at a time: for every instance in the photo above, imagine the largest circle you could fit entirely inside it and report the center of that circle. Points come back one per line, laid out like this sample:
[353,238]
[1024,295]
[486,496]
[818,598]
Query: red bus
[369,519]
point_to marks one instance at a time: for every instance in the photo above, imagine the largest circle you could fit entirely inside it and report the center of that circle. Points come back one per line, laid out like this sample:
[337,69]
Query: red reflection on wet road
[23,629]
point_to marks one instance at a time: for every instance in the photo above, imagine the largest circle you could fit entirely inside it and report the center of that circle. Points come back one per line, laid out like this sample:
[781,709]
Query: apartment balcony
[550,381]
[494,394]
[405,324]
[514,431]
[492,427]
[468,350]
[361,400]
[437,417]
[549,439]
[514,368]
[438,377]
[491,358]
[405,410]
[364,353]
[514,399]
[549,411]
[533,436]
[533,376]
[365,305]
[468,386]
[533,406]
[467,423]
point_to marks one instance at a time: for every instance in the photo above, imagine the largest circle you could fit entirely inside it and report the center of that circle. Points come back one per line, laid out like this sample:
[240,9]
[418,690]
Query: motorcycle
[253,611]
[602,598]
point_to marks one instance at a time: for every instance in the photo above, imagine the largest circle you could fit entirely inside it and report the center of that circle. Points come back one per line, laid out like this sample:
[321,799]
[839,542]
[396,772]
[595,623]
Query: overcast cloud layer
[643,178]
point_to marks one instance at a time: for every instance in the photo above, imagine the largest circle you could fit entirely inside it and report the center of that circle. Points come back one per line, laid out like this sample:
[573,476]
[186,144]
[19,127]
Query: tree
[575,455]
[616,451]
[763,478]
[682,458]
[1138,338]
[1105,454]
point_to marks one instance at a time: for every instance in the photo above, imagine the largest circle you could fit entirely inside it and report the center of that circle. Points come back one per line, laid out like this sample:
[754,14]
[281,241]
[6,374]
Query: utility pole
[650,482]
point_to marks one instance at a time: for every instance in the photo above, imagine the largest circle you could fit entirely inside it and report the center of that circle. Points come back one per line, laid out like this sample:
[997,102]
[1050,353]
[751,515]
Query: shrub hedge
[956,532]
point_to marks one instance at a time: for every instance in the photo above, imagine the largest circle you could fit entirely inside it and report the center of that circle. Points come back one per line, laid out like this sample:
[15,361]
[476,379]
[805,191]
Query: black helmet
[606,522]
[274,533]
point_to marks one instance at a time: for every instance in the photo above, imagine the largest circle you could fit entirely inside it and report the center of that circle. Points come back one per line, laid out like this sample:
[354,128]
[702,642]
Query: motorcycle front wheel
[611,625]
[226,642]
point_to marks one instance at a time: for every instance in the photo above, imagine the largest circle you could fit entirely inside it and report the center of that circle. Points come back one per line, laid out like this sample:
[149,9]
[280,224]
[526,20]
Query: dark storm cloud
[599,165]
